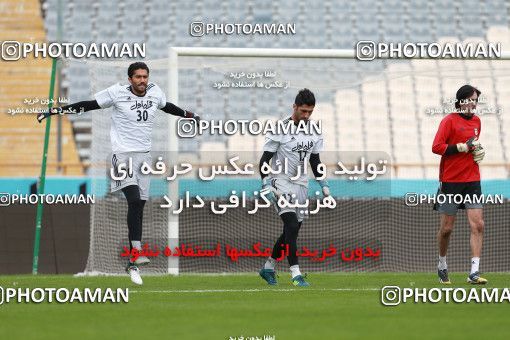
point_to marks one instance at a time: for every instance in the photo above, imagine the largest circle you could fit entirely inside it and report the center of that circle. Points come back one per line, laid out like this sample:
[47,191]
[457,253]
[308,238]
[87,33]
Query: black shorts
[454,194]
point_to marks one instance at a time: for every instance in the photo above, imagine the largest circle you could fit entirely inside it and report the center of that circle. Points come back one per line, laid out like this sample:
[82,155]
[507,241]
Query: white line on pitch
[256,290]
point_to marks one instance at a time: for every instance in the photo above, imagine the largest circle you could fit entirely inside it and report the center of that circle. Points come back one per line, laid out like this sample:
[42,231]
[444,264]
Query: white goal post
[173,95]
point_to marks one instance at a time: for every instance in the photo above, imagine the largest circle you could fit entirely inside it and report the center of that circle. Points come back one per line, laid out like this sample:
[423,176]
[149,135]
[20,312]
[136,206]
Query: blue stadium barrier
[223,187]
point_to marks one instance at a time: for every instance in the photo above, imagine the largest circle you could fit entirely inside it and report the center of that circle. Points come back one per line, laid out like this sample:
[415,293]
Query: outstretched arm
[83,106]
[177,111]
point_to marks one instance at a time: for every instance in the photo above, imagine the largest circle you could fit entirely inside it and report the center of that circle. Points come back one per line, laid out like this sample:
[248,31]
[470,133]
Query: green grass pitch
[336,306]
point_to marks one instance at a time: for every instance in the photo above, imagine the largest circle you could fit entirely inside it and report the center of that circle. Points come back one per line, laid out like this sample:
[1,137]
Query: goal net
[379,110]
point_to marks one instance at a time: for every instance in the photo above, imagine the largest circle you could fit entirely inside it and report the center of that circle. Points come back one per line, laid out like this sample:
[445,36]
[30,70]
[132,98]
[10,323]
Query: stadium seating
[21,137]
[391,102]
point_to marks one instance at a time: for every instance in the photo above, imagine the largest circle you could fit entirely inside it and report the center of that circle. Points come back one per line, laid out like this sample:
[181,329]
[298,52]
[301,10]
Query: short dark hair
[305,97]
[137,66]
[465,92]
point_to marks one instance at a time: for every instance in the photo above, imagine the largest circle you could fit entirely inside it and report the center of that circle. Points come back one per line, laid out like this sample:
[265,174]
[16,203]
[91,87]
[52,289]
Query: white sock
[475,264]
[136,244]
[442,263]
[294,270]
[270,263]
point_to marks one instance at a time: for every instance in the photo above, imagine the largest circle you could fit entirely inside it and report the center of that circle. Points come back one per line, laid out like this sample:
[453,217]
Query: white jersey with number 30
[132,116]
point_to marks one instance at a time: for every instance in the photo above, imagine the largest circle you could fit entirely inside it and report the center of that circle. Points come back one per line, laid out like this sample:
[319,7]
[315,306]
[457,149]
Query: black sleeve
[84,106]
[174,110]
[451,150]
[314,162]
[266,157]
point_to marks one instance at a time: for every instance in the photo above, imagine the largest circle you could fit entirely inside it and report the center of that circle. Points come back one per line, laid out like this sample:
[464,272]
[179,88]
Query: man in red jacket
[459,176]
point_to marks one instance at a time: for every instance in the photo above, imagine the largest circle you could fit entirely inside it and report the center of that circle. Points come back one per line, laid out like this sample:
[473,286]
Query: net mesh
[390,107]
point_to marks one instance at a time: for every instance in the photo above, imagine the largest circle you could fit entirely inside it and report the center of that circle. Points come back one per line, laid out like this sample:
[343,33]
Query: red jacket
[459,167]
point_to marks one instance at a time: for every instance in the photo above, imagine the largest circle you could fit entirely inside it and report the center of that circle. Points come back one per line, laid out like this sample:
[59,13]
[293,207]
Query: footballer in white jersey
[134,110]
[132,115]
[291,152]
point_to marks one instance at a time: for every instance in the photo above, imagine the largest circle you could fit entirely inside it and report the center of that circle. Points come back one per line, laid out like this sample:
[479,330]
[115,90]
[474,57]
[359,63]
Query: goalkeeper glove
[325,187]
[478,153]
[189,114]
[46,114]
[268,190]
[472,145]
[469,145]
